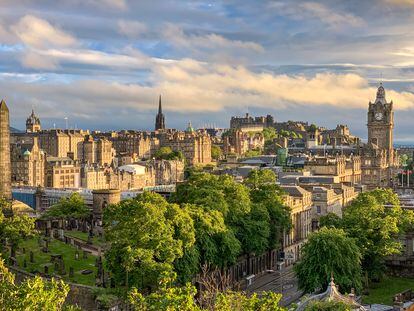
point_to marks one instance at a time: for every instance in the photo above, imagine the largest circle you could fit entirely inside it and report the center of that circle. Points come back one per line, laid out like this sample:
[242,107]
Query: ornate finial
[381,91]
[332,279]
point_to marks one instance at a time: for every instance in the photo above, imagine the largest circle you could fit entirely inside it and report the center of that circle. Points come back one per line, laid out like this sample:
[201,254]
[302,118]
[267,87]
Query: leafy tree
[374,220]
[328,306]
[253,153]
[216,152]
[31,294]
[265,192]
[269,133]
[72,207]
[14,229]
[166,153]
[330,220]
[146,235]
[171,298]
[329,251]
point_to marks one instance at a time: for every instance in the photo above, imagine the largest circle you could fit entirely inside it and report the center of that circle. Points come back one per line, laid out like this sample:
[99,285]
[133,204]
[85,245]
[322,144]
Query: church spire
[159,119]
[159,106]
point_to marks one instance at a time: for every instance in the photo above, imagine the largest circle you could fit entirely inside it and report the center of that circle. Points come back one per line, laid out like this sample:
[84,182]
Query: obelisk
[5,166]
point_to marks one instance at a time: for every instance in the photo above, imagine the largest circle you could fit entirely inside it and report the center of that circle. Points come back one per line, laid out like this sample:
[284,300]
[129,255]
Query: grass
[68,253]
[98,241]
[384,291]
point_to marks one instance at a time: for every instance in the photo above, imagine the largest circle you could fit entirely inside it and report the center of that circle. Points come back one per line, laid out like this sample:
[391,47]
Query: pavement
[283,282]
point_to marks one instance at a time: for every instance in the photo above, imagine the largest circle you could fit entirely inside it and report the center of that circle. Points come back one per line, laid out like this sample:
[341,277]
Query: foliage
[216,152]
[15,228]
[330,220]
[328,306]
[166,153]
[383,292]
[72,207]
[312,128]
[253,153]
[269,133]
[404,160]
[329,251]
[171,298]
[264,192]
[375,227]
[146,235]
[31,294]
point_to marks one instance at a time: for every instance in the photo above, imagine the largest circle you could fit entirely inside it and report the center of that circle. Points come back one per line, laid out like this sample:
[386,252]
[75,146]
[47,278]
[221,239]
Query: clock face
[378,116]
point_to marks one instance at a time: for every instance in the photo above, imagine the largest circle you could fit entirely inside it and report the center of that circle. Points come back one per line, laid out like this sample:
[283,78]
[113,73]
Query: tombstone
[24,263]
[77,255]
[24,250]
[85,255]
[71,272]
[56,267]
[46,270]
[31,255]
[61,234]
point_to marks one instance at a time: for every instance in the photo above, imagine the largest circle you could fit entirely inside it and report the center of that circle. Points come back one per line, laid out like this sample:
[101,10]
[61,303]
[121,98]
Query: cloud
[207,44]
[315,10]
[39,33]
[131,29]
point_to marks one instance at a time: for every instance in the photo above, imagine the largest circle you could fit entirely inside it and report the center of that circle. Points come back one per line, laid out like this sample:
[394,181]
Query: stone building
[97,151]
[33,124]
[348,169]
[5,166]
[62,172]
[239,142]
[195,145]
[251,124]
[62,143]
[340,136]
[379,159]
[300,202]
[135,144]
[28,164]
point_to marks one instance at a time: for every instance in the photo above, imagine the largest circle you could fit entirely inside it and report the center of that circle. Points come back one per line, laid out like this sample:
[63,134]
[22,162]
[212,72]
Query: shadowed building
[160,119]
[5,167]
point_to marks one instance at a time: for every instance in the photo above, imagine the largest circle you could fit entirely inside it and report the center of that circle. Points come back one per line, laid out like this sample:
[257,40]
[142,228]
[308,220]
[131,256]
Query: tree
[374,220]
[269,133]
[166,153]
[216,152]
[330,220]
[253,153]
[328,306]
[329,252]
[72,207]
[265,192]
[146,235]
[31,294]
[15,228]
[172,298]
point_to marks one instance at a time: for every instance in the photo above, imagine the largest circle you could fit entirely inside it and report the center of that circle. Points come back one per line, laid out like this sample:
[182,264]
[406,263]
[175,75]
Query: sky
[103,63]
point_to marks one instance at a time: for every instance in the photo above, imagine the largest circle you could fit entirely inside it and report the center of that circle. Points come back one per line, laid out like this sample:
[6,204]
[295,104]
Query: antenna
[66,122]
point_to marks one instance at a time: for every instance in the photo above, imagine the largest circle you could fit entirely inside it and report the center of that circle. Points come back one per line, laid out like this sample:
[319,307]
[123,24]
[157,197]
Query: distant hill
[15,130]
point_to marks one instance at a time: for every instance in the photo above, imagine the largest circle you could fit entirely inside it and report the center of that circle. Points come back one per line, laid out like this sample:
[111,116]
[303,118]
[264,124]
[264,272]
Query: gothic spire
[159,106]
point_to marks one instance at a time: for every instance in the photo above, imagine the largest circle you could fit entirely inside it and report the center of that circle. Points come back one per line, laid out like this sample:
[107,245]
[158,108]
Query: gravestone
[24,263]
[46,269]
[71,272]
[85,255]
[77,255]
[31,255]
[24,250]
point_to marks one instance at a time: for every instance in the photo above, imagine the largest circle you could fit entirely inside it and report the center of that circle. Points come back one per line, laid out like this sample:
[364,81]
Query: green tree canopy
[329,251]
[216,152]
[269,133]
[72,207]
[31,294]
[146,235]
[166,153]
[374,220]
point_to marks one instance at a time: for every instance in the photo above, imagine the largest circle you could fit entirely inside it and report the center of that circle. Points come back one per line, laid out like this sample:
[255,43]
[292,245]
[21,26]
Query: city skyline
[104,64]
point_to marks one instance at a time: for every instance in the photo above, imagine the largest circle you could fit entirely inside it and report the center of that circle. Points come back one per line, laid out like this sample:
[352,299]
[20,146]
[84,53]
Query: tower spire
[159,105]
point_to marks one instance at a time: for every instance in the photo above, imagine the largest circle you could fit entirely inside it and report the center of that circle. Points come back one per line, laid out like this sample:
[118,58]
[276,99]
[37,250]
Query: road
[285,283]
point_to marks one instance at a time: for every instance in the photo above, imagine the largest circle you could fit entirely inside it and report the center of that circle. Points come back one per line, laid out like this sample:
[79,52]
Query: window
[318,209]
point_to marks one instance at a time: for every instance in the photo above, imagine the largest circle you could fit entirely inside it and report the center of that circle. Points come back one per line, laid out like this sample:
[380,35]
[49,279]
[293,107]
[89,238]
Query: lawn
[384,291]
[98,241]
[68,253]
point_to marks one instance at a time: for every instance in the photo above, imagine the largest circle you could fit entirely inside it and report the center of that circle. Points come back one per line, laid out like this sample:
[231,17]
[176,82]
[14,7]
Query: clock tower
[381,124]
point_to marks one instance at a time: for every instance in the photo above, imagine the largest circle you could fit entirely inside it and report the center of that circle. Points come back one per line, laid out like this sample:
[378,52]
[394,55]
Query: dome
[20,208]
[190,128]
[27,153]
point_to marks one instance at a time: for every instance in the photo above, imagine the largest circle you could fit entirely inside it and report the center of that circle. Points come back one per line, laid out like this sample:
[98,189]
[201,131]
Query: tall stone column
[5,166]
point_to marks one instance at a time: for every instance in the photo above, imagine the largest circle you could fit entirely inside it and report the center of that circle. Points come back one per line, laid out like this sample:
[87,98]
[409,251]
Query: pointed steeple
[3,106]
[159,119]
[159,106]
